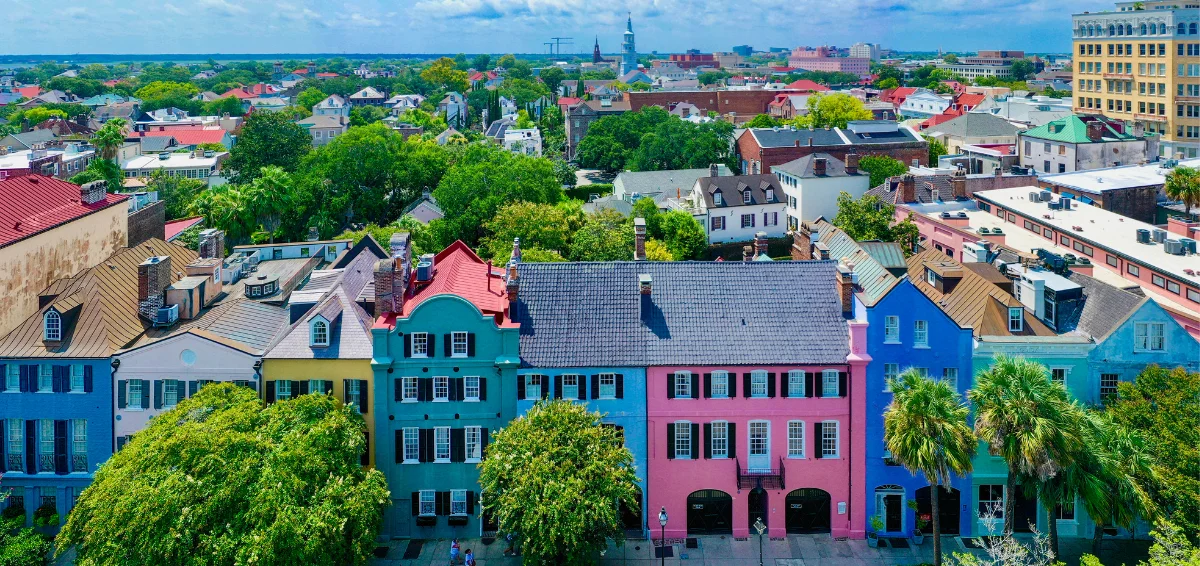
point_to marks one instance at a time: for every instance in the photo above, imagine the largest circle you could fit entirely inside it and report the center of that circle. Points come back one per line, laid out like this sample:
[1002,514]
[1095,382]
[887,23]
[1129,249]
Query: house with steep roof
[736,208]
[323,128]
[813,183]
[367,96]
[333,105]
[1079,143]
[26,140]
[972,128]
[580,118]
[454,109]
[424,209]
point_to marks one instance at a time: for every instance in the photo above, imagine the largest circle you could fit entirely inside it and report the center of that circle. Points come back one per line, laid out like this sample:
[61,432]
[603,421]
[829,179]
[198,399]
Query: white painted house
[923,104]
[527,141]
[813,182]
[733,209]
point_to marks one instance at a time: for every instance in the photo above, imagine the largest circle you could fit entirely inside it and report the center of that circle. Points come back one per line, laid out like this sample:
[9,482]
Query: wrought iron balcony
[771,478]
[79,463]
[46,463]
[16,463]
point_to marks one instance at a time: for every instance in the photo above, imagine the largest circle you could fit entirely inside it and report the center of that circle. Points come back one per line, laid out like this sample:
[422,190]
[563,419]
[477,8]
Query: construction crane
[558,43]
[549,46]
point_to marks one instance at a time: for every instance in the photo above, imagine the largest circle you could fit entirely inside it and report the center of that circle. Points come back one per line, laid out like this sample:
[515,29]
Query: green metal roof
[1072,129]
[874,279]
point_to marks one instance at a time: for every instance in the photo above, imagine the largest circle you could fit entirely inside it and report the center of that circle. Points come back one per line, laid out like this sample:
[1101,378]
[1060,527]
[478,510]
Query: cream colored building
[1141,63]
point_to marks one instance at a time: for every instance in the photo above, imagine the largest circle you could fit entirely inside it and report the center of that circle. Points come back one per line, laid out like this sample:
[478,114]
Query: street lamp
[662,522]
[761,528]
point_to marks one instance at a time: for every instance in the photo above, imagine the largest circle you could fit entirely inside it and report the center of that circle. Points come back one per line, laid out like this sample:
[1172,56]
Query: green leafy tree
[270,196]
[647,209]
[936,150]
[925,429]
[268,138]
[657,251]
[22,546]
[605,236]
[231,105]
[101,170]
[310,97]
[1183,184]
[555,475]
[481,62]
[763,121]
[1022,69]
[226,207]
[832,111]
[1171,546]
[363,115]
[165,89]
[881,168]
[109,138]
[39,114]
[683,235]
[870,218]
[535,255]
[223,478]
[711,77]
[601,152]
[950,58]
[543,226]
[177,193]
[888,83]
[444,74]
[1024,418]
[506,61]
[1163,406]
[552,77]
[433,123]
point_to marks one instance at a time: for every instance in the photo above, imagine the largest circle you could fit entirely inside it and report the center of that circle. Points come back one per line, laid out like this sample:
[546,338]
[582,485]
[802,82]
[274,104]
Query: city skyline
[521,26]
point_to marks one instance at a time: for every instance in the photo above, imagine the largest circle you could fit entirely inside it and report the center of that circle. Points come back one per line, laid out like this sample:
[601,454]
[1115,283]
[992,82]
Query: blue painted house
[905,329]
[56,405]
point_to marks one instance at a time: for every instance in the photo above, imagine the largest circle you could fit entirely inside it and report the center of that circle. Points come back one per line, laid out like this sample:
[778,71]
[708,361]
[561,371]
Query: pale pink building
[819,59]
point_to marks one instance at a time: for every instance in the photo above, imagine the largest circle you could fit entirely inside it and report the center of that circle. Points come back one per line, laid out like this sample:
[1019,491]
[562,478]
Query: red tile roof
[459,271]
[970,100]
[326,75]
[29,91]
[566,102]
[805,84]
[34,204]
[897,95]
[189,136]
[176,227]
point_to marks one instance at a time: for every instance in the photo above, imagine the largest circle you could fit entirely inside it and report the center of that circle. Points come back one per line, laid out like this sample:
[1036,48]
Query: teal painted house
[444,364]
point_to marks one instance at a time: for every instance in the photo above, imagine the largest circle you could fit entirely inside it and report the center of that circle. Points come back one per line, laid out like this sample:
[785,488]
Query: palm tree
[1120,463]
[1183,184]
[926,430]
[1023,417]
[1079,472]
[109,138]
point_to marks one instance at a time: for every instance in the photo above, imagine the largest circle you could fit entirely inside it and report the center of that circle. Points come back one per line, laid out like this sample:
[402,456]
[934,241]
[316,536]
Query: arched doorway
[632,518]
[889,507]
[949,508]
[709,512]
[756,505]
[807,511]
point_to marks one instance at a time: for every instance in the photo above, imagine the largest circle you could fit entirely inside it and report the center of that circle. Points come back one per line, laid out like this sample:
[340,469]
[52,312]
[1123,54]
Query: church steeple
[596,57]
[628,50]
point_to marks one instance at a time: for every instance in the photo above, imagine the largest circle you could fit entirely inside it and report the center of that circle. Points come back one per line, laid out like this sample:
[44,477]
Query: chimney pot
[851,163]
[760,244]
[908,188]
[819,166]
[712,170]
[747,253]
[639,237]
[958,184]
[846,288]
[802,243]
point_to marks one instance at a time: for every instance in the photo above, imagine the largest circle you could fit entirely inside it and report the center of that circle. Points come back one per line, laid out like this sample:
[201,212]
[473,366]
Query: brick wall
[745,104]
[749,151]
[149,222]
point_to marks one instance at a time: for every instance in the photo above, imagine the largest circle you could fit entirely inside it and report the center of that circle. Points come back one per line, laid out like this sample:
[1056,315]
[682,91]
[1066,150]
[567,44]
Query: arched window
[1090,31]
[1143,29]
[52,326]
[1112,30]
[1153,29]
[320,332]
[1128,29]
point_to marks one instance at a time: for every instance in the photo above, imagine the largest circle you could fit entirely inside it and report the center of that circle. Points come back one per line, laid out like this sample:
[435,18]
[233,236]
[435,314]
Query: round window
[188,357]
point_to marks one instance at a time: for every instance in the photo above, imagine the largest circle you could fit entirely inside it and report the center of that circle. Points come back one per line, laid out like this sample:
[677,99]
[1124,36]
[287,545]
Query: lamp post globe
[662,523]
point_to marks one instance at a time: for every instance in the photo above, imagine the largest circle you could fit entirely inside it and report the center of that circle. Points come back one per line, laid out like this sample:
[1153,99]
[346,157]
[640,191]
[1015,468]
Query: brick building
[740,105]
[759,149]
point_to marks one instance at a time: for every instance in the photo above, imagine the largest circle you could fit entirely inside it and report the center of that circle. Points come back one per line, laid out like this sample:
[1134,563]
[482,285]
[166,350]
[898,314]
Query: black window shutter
[301,388]
[60,447]
[785,381]
[483,441]
[670,386]
[270,392]
[731,439]
[421,389]
[544,384]
[707,385]
[407,345]
[695,441]
[120,393]
[4,376]
[458,445]
[670,441]
[158,393]
[810,377]
[56,375]
[452,389]
[87,379]
[620,386]
[366,455]
[707,441]
[398,384]
[842,383]
[31,446]
[438,508]
[121,440]
[425,445]
[695,386]
[329,387]
[770,385]
[193,386]
[471,344]
[416,503]
[145,393]
[399,446]
[461,385]
[483,389]
[364,397]
[746,385]
[470,502]
[595,386]
[446,345]
[28,375]
[558,387]
[817,440]
[444,502]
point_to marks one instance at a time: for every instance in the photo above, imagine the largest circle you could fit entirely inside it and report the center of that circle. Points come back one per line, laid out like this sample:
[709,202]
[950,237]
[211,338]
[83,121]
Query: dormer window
[1016,319]
[52,326]
[319,332]
[770,195]
[746,197]
[717,200]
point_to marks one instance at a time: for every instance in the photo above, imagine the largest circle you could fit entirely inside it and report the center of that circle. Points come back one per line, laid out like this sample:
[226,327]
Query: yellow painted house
[327,348]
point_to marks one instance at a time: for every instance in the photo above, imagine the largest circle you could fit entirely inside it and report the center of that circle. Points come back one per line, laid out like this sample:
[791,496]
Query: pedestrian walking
[454,550]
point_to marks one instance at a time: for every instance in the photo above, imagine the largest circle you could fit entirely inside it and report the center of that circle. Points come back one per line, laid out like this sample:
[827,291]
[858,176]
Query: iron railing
[46,462]
[771,478]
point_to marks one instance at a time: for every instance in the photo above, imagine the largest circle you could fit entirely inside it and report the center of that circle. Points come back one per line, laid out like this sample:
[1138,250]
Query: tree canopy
[881,168]
[268,138]
[870,218]
[832,111]
[651,139]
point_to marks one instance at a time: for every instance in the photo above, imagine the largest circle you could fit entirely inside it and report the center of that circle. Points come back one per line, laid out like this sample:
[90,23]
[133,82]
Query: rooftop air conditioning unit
[1160,236]
[1143,236]
[1035,196]
[166,316]
[1174,247]
[1189,244]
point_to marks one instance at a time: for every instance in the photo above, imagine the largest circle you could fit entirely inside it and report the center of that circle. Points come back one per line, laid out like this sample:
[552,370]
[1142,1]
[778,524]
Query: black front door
[710,512]
[757,506]
[807,511]
[1025,512]
[949,509]
[632,518]
[893,505]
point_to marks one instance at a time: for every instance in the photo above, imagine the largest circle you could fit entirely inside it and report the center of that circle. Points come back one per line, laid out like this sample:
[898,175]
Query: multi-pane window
[45,377]
[920,333]
[12,377]
[317,386]
[134,401]
[441,388]
[795,383]
[283,390]
[991,501]
[458,502]
[473,435]
[891,329]
[16,445]
[1149,336]
[720,384]
[412,445]
[320,333]
[170,393]
[720,439]
[570,386]
[1064,513]
[533,387]
[471,388]
[45,445]
[458,344]
[420,344]
[77,378]
[79,461]
[1058,375]
[608,386]
[408,389]
[428,504]
[890,372]
[52,331]
[1108,384]
[441,444]
[683,439]
[683,384]
[758,383]
[950,376]
[829,439]
[1016,318]
[795,439]
[829,383]
[354,393]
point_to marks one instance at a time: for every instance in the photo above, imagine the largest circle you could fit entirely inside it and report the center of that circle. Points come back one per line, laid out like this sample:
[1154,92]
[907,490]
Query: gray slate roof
[699,313]
[873,277]
[803,167]
[1105,307]
[652,182]
[784,137]
[733,188]
[154,144]
[930,188]
[30,138]
[610,202]
[977,124]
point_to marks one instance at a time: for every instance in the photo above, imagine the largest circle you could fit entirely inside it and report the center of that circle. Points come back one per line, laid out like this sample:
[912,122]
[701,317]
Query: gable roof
[1105,307]
[874,279]
[27,140]
[176,227]
[733,188]
[976,301]
[188,136]
[701,313]
[929,188]
[366,92]
[978,124]
[459,271]
[247,325]
[33,204]
[803,167]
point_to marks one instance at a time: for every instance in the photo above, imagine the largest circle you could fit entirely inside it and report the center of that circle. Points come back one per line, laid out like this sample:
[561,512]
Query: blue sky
[496,26]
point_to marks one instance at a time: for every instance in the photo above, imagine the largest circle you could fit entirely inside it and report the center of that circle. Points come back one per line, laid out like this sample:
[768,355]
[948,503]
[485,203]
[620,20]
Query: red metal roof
[28,91]
[34,204]
[176,227]
[460,272]
[805,84]
[189,136]
[970,100]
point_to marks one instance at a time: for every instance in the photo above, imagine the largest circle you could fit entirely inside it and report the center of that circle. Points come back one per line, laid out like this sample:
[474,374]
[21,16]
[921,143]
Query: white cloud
[222,7]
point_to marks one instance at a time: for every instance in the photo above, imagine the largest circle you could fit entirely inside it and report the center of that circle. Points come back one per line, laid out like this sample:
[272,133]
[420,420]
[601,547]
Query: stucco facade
[335,372]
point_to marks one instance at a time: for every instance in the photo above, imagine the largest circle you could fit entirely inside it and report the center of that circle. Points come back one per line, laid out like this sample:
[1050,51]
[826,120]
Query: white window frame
[747,197]
[950,376]
[441,383]
[796,383]
[890,371]
[683,384]
[458,339]
[170,388]
[427,503]
[412,445]
[719,441]
[439,443]
[409,387]
[45,378]
[458,502]
[608,386]
[920,334]
[45,440]
[723,376]
[283,390]
[473,436]
[830,379]
[836,440]
[530,386]
[758,384]
[52,326]
[15,437]
[471,387]
[683,440]
[79,438]
[891,329]
[76,382]
[1016,318]
[574,391]
[353,393]
[1149,337]
[419,344]
[1066,371]
[134,402]
[319,332]
[795,445]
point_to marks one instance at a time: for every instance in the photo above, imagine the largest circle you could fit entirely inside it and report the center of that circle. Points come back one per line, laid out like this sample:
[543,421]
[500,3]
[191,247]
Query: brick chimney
[747,252]
[212,244]
[93,192]
[1095,130]
[958,184]
[512,284]
[846,288]
[154,276]
[819,164]
[639,239]
[713,170]
[401,253]
[908,188]
[760,244]
[802,243]
[385,270]
[851,163]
